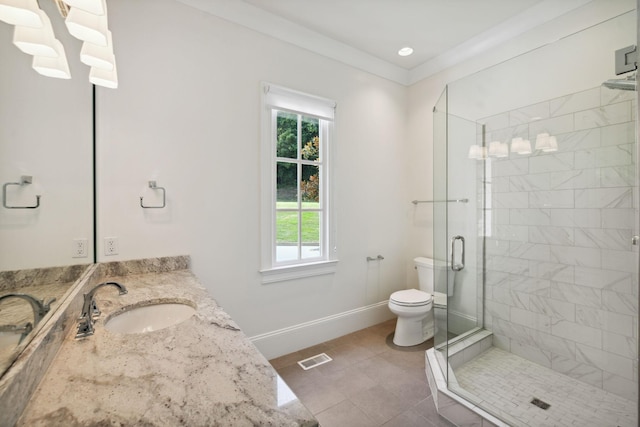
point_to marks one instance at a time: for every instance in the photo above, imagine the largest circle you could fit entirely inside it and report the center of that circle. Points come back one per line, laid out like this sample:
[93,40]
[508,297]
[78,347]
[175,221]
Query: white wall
[45,132]
[187,115]
[423,95]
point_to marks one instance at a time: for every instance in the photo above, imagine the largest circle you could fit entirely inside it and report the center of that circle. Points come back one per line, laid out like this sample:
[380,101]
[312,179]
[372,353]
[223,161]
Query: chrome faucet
[90,310]
[15,329]
[39,307]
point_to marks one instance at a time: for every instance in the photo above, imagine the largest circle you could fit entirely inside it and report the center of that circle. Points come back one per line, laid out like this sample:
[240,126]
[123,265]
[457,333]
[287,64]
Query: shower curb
[451,406]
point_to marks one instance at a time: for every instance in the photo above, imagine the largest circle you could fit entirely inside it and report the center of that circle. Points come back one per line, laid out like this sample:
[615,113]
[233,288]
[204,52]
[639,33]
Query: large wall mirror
[46,150]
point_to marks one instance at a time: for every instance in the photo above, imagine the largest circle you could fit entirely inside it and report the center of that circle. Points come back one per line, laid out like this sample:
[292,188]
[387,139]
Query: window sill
[292,272]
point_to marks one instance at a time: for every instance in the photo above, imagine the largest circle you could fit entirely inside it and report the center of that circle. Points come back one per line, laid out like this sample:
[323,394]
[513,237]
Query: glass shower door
[440,222]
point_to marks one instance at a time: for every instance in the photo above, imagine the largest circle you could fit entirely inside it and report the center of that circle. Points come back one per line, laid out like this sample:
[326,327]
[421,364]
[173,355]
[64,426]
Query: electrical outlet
[111,246]
[79,249]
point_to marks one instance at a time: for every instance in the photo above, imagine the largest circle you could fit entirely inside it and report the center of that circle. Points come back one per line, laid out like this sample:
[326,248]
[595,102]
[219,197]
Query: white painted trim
[298,271]
[519,24]
[293,338]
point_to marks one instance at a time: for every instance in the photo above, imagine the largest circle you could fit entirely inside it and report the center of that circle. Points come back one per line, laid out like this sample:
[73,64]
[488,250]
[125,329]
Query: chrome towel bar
[24,180]
[415,202]
[152,185]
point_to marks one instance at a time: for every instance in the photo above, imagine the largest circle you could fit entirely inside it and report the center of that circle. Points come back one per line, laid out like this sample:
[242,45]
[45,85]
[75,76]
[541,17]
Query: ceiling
[381,27]
[367,34]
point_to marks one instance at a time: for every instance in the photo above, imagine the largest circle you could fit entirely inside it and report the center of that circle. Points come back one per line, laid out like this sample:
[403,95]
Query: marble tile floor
[370,381]
[573,403]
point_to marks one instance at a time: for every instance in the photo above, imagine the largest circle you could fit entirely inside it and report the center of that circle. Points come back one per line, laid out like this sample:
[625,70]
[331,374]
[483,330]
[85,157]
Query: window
[296,204]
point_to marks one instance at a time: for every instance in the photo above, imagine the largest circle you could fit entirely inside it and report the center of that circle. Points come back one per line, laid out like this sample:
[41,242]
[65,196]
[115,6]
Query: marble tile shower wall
[561,283]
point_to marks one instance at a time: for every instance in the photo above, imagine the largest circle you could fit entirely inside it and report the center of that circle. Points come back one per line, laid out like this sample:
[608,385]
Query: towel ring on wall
[24,180]
[152,184]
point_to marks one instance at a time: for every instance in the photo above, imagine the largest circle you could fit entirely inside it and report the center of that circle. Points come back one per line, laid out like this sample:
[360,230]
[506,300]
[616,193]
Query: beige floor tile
[369,382]
[318,397]
[344,414]
[380,404]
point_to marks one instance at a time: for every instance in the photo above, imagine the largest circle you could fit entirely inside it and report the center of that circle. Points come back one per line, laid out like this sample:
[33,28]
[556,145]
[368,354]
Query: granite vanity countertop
[201,372]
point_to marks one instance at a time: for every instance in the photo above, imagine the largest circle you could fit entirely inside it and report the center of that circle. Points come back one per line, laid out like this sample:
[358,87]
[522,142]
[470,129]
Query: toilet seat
[411,298]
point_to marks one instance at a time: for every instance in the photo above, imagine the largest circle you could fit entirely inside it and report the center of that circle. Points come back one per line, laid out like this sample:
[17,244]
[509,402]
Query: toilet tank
[426,268]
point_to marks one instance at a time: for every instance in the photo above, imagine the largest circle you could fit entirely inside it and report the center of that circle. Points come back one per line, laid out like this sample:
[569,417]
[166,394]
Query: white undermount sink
[149,318]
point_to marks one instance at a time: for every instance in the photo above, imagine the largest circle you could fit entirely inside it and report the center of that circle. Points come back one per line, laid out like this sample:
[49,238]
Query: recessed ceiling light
[405,51]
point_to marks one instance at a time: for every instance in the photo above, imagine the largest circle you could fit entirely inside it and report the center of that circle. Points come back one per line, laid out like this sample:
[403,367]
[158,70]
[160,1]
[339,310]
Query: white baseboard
[287,340]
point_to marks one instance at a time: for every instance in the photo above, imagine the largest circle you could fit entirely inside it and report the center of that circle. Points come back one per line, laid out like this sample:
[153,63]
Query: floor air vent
[540,404]
[314,361]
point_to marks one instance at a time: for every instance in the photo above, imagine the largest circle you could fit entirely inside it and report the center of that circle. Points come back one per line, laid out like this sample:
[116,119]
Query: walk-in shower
[542,328]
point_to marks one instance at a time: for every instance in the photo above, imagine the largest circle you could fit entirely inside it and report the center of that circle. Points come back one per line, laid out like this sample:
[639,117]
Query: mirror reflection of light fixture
[520,146]
[36,41]
[474,151]
[98,56]
[87,27]
[106,78]
[20,12]
[546,143]
[86,20]
[53,67]
[477,153]
[498,149]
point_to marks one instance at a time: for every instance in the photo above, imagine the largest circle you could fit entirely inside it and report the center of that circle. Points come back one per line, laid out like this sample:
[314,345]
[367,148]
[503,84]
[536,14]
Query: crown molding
[590,13]
[264,22]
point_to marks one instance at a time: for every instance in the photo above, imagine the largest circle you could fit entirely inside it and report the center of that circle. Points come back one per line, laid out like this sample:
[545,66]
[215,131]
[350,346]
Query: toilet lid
[410,297]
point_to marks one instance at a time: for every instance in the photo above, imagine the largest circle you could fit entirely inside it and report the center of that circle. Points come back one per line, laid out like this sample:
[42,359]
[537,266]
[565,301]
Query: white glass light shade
[20,12]
[520,146]
[498,149]
[553,144]
[98,56]
[474,151]
[36,41]
[53,67]
[87,27]
[104,78]
[542,141]
[546,143]
[97,7]
[503,150]
[477,153]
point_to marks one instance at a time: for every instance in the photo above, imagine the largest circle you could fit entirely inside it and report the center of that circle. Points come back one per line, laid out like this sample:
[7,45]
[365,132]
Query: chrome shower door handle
[454,266]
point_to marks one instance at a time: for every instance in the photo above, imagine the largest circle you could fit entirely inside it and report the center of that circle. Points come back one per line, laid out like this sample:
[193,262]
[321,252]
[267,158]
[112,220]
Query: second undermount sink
[149,318]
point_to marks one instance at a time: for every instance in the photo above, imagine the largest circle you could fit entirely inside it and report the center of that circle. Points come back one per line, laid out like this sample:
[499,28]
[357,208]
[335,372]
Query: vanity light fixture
[85,19]
[106,78]
[498,149]
[405,51]
[478,153]
[20,12]
[87,26]
[520,146]
[56,67]
[546,143]
[101,57]
[36,41]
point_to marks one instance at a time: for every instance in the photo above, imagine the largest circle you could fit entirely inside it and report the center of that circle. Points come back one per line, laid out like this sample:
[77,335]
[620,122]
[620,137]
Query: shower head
[623,84]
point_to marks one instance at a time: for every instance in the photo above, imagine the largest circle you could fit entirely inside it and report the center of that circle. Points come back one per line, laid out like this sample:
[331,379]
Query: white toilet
[414,307]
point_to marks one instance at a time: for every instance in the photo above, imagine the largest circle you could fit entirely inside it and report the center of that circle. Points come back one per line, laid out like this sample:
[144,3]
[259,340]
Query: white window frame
[277,98]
